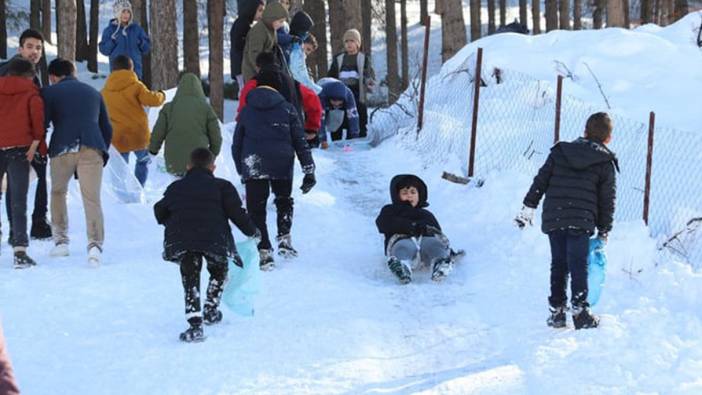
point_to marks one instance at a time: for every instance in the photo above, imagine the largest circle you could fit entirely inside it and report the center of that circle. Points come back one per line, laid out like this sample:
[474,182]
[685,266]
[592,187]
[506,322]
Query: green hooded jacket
[186,123]
[261,38]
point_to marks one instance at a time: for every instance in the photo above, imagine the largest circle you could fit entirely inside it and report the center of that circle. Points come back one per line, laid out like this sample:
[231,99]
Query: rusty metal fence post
[425,65]
[476,101]
[559,95]
[649,166]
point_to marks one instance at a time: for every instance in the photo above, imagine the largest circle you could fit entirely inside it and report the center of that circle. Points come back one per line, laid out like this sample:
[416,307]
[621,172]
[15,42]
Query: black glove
[418,229]
[308,182]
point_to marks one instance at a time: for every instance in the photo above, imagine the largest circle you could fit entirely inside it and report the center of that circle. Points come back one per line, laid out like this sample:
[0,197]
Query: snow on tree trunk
[67,29]
[393,78]
[453,27]
[191,37]
[94,35]
[551,7]
[164,51]
[475,7]
[536,16]
[317,61]
[215,23]
[615,13]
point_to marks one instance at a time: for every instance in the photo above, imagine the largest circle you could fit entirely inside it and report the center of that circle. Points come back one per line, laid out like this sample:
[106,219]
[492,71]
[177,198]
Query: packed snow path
[334,321]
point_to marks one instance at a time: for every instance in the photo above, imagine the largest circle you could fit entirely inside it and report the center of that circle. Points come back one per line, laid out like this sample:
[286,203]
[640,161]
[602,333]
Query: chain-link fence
[516,128]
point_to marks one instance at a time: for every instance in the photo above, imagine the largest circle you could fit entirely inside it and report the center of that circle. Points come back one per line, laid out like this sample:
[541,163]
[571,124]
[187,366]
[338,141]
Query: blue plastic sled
[244,284]
[596,266]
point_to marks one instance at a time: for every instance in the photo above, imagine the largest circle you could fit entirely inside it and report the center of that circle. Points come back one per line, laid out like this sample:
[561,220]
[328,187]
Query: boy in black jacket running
[413,237]
[196,211]
[579,181]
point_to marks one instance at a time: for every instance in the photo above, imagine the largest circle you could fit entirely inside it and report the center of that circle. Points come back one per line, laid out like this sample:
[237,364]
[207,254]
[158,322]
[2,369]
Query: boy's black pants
[569,251]
[257,192]
[14,162]
[190,267]
[41,200]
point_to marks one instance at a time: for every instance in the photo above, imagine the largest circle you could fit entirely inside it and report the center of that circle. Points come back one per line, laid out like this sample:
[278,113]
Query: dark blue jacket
[131,41]
[196,211]
[79,116]
[333,89]
[267,137]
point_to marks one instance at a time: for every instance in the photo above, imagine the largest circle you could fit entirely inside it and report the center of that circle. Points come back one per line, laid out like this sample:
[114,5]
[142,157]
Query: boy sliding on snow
[411,231]
[196,211]
[579,180]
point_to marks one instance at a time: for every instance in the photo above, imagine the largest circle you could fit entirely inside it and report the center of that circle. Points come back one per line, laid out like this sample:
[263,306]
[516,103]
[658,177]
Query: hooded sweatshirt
[261,38]
[186,123]
[240,29]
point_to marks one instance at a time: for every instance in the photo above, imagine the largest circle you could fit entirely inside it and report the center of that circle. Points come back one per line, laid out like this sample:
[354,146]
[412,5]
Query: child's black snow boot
[23,261]
[400,269]
[195,332]
[558,317]
[211,314]
[266,259]
[584,319]
[285,248]
[441,268]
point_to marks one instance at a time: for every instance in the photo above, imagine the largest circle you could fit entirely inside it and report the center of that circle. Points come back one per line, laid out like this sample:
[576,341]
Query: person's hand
[30,154]
[325,145]
[525,217]
[308,182]
[419,229]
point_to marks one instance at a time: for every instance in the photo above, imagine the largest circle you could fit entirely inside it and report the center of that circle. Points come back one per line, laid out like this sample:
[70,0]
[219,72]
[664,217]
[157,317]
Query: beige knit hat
[353,35]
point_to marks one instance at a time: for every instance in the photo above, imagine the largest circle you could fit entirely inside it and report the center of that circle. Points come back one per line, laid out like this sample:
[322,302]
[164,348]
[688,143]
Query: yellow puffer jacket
[125,97]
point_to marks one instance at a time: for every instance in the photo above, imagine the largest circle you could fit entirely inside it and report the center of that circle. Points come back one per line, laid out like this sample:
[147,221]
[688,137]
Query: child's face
[259,13]
[278,24]
[286,4]
[125,16]
[336,103]
[411,195]
[308,48]
[351,46]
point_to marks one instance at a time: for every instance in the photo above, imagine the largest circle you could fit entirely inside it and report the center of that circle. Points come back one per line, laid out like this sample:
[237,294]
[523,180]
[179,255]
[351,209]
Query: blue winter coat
[131,41]
[79,116]
[333,89]
[267,137]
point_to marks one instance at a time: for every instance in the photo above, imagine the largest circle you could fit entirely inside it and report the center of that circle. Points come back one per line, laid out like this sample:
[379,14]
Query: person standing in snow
[262,38]
[8,384]
[125,97]
[356,72]
[339,111]
[31,49]
[267,138]
[250,11]
[579,181]
[413,236]
[298,62]
[186,123]
[196,211]
[21,131]
[123,36]
[79,144]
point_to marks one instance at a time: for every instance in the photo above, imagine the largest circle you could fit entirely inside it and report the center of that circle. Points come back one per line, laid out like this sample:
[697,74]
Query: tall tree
[191,36]
[404,44]
[453,27]
[94,35]
[46,20]
[503,12]
[82,48]
[343,15]
[423,11]
[317,61]
[627,19]
[67,11]
[615,13]
[536,16]
[598,12]
[475,26]
[3,30]
[393,78]
[35,14]
[551,14]
[523,12]
[366,33]
[646,11]
[215,31]
[141,15]
[164,51]
[577,14]
[564,11]
[491,16]
[681,9]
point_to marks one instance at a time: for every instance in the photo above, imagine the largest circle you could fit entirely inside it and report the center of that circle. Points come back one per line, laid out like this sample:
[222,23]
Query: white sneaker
[94,255]
[59,250]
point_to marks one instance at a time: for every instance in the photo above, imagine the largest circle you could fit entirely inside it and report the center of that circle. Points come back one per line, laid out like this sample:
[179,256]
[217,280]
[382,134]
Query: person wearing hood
[579,181]
[267,138]
[186,123]
[22,112]
[413,236]
[125,97]
[123,36]
[262,38]
[340,111]
[250,11]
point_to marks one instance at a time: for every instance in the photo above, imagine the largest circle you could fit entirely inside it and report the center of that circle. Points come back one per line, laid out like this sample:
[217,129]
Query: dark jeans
[14,162]
[569,250]
[41,201]
[257,192]
[190,268]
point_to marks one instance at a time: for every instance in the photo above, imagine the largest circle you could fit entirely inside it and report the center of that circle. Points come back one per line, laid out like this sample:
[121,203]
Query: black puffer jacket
[240,28]
[579,180]
[196,211]
[399,218]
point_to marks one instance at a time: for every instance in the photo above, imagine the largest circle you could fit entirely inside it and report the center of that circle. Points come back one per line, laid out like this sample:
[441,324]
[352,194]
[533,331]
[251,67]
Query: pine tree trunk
[536,16]
[523,18]
[682,7]
[3,30]
[46,20]
[564,6]
[424,11]
[191,37]
[577,15]
[81,33]
[615,13]
[404,44]
[215,26]
[393,78]
[164,49]
[34,14]
[475,6]
[646,11]
[57,16]
[94,35]
[627,19]
[141,14]
[551,14]
[67,29]
[598,13]
[337,25]
[366,33]
[491,16]
[317,61]
[503,12]
[453,27]
[352,15]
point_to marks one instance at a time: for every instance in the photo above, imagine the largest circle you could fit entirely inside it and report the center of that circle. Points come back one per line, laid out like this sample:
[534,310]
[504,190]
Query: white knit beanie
[121,5]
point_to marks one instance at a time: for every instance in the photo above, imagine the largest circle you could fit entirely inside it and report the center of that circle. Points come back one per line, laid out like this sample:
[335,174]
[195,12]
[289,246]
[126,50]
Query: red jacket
[22,113]
[310,104]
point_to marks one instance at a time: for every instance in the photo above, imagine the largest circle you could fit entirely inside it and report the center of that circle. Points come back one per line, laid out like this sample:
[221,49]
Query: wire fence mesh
[515,130]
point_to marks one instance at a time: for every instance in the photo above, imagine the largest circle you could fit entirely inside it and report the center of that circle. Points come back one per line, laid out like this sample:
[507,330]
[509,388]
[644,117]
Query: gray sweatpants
[429,249]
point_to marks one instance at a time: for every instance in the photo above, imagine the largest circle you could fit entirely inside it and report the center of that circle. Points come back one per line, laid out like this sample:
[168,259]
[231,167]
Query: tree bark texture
[646,11]
[423,11]
[523,18]
[551,14]
[94,35]
[615,13]
[475,27]
[393,78]
[317,61]
[215,23]
[191,37]
[598,13]
[344,15]
[453,27]
[577,14]
[491,16]
[46,20]
[681,9]
[141,14]
[34,14]
[404,44]
[536,16]
[81,33]
[164,48]
[67,29]
[503,12]
[564,14]
[366,33]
